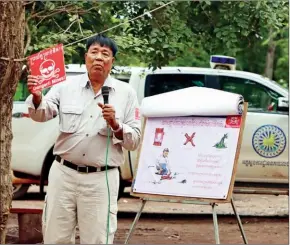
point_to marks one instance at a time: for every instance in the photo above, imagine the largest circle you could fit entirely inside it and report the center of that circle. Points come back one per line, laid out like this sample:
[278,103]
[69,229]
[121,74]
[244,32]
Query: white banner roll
[194,101]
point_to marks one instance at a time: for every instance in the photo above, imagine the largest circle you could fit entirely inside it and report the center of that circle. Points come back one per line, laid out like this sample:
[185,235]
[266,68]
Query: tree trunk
[269,69]
[12,26]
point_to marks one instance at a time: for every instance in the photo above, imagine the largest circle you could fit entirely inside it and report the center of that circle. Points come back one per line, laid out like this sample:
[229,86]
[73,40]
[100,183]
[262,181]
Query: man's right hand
[37,95]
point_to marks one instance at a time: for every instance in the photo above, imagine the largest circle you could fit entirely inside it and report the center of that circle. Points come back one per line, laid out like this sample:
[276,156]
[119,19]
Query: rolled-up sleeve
[47,109]
[131,124]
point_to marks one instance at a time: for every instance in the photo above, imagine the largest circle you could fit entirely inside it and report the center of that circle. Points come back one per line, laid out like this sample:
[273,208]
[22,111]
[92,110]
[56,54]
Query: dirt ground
[168,229]
[265,219]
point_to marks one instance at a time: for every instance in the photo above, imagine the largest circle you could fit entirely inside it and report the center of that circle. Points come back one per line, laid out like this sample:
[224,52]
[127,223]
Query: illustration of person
[162,164]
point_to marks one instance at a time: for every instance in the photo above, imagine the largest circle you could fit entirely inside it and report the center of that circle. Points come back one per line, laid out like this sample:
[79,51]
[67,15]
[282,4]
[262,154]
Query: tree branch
[82,11]
[33,7]
[40,22]
[80,27]
[55,22]
[69,8]
[70,26]
[51,14]
[27,3]
[56,11]
[28,35]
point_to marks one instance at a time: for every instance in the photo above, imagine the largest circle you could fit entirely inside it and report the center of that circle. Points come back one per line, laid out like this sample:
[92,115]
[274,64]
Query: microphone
[105,93]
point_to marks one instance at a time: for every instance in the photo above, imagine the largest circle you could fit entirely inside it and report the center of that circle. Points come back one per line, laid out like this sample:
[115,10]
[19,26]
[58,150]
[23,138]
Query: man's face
[165,153]
[99,61]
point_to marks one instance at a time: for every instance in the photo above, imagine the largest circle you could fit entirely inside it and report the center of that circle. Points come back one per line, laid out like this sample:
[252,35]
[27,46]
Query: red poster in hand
[48,66]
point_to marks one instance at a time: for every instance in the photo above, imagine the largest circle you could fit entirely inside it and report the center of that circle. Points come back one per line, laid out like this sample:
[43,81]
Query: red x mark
[189,139]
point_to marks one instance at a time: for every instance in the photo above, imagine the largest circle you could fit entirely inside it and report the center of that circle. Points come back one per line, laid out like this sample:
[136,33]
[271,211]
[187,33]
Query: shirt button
[91,116]
[87,135]
[84,155]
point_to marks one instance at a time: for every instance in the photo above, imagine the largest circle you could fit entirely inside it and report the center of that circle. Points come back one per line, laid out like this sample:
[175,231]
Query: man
[77,189]
[162,164]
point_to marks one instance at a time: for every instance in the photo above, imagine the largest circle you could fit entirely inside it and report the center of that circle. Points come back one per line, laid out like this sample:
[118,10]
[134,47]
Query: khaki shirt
[83,131]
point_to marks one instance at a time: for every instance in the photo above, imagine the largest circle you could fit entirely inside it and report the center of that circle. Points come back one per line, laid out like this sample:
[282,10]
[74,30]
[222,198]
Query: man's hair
[102,40]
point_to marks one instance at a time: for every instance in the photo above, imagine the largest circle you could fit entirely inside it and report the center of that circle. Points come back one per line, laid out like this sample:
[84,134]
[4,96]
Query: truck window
[123,80]
[22,91]
[259,97]
[162,83]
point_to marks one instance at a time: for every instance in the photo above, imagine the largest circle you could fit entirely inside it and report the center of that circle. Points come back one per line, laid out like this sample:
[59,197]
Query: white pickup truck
[264,152]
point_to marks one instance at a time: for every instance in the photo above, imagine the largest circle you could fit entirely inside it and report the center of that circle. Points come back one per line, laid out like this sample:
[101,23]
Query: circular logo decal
[269,141]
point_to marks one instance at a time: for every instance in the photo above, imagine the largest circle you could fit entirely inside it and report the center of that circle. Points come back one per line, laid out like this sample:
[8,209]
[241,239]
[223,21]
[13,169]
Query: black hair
[103,41]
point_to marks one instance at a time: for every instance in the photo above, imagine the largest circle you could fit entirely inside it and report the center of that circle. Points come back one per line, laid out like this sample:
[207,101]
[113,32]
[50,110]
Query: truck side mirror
[283,104]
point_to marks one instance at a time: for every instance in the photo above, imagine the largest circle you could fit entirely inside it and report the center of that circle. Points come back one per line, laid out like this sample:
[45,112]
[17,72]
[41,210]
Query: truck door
[264,155]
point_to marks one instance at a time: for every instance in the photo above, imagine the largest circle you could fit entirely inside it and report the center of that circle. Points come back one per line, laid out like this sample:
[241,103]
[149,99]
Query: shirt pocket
[70,118]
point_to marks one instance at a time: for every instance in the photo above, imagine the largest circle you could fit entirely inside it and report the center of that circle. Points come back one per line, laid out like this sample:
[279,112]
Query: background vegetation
[184,33]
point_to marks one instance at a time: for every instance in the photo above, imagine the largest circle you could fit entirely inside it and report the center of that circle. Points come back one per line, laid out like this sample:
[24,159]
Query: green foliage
[65,22]
[184,33]
[281,72]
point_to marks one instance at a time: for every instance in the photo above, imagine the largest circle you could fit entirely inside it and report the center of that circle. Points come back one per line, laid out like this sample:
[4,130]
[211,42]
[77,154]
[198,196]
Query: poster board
[202,156]
[48,66]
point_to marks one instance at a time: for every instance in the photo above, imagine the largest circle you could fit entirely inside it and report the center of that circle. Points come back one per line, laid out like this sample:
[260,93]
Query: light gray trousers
[81,199]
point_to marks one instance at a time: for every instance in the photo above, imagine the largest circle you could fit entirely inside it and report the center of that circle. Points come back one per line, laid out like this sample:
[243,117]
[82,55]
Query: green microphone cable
[108,187]
[105,93]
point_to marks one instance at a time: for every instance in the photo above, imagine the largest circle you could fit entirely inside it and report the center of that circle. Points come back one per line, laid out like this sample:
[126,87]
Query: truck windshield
[162,83]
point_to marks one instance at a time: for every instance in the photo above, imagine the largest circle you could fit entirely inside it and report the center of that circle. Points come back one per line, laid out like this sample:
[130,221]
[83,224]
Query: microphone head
[105,93]
[105,90]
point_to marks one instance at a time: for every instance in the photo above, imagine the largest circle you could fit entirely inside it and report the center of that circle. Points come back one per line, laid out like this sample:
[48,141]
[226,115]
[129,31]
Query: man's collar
[108,82]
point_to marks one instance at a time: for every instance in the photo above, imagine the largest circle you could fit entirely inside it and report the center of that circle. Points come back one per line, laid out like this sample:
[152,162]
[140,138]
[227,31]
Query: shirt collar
[108,82]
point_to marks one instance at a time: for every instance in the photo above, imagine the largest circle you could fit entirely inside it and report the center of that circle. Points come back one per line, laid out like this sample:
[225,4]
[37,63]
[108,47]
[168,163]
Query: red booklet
[49,67]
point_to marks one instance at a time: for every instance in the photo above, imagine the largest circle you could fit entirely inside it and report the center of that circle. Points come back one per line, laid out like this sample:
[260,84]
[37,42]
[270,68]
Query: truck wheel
[19,190]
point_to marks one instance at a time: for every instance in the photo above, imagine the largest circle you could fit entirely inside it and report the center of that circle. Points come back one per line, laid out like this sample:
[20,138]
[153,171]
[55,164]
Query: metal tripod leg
[239,221]
[135,222]
[215,223]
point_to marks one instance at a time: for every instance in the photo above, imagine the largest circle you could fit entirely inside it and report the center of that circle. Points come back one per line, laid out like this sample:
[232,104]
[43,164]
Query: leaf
[232,35]
[73,18]
[50,5]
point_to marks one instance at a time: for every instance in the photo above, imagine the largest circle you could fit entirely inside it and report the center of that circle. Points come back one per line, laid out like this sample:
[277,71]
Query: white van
[264,152]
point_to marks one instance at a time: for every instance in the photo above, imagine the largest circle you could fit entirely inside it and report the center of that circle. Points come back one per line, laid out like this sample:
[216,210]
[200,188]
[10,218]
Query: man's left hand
[108,112]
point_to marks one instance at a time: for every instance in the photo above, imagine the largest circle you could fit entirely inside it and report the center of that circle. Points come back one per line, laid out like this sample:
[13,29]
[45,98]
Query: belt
[82,169]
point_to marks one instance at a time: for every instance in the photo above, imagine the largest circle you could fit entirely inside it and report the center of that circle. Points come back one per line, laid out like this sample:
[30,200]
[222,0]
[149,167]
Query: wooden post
[12,32]
[30,230]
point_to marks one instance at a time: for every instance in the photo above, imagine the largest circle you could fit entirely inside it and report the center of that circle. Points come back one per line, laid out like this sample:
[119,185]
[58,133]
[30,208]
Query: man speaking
[87,106]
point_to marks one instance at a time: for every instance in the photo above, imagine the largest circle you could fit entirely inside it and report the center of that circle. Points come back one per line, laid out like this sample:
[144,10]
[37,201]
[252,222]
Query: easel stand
[232,122]
[214,215]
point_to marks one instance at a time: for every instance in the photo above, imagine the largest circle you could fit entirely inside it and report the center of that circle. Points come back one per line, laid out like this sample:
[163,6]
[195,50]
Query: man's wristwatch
[118,129]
